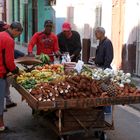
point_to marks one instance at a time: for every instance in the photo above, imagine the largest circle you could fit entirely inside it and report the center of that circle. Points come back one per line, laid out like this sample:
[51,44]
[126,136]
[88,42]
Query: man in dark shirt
[69,41]
[104,52]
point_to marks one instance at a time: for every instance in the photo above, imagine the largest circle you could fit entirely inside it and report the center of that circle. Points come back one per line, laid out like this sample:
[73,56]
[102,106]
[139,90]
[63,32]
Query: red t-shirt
[6,54]
[45,44]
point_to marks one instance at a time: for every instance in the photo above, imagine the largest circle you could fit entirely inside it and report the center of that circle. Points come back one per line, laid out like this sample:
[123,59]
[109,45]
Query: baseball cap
[66,26]
[4,25]
[48,23]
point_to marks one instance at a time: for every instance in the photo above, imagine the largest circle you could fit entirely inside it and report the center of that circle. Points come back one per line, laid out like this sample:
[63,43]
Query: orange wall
[118,8]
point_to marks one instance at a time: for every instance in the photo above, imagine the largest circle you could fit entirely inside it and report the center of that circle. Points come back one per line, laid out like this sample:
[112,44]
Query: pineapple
[110,89]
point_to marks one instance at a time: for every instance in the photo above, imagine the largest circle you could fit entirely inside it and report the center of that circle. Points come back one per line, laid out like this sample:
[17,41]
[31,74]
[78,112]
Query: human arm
[108,55]
[78,45]
[32,43]
[8,53]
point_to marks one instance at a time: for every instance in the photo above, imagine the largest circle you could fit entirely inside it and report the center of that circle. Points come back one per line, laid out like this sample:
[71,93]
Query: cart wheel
[103,136]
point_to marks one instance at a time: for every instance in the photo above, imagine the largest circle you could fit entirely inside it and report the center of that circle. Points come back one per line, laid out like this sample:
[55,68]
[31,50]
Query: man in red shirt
[9,103]
[45,41]
[7,61]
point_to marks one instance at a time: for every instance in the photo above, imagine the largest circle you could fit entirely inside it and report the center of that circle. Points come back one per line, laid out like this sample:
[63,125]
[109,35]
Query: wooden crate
[31,100]
[89,102]
[75,103]
[78,119]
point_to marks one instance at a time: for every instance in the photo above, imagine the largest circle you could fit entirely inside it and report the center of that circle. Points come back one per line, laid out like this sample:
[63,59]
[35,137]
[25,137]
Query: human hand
[72,56]
[92,59]
[16,70]
[58,53]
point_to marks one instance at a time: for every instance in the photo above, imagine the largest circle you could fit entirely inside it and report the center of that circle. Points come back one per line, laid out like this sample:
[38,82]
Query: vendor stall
[76,99]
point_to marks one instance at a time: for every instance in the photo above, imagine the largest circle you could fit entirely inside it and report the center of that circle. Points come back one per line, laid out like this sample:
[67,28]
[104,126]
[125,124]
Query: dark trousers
[18,54]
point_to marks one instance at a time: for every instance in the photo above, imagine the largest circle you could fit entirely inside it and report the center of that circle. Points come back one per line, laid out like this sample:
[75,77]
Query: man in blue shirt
[104,52]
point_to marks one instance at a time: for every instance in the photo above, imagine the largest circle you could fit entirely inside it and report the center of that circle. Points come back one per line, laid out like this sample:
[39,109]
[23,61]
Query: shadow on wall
[129,52]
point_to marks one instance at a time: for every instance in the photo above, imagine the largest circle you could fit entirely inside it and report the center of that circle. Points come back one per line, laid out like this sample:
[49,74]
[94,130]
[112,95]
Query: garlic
[98,78]
[118,78]
[56,95]
[68,86]
[66,91]
[128,75]
[121,85]
[44,100]
[61,91]
[128,81]
[40,98]
[63,84]
[48,100]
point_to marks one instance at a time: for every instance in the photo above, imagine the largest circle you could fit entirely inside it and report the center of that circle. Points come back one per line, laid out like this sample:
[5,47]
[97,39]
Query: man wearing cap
[69,41]
[7,61]
[46,41]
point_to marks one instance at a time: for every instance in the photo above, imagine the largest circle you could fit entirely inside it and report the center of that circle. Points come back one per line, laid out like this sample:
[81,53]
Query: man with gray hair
[104,52]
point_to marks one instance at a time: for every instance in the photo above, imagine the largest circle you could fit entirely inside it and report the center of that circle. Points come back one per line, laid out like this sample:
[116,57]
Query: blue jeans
[18,54]
[2,94]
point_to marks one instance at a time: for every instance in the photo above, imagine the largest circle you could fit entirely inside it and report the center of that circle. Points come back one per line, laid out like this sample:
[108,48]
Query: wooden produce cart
[78,115]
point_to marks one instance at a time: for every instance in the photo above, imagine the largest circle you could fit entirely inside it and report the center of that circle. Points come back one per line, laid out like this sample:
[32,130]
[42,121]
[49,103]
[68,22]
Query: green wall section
[41,17]
[44,12]
[16,13]
[29,19]
[16,10]
[22,19]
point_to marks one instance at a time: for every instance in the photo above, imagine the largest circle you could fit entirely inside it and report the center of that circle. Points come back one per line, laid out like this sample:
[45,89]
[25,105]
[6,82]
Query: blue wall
[59,22]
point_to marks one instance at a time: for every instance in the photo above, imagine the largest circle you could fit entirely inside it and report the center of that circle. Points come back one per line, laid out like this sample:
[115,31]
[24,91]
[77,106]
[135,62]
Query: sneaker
[2,128]
[11,105]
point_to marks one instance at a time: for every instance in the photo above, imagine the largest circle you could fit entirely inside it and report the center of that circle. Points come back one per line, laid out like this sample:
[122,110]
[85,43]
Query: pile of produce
[80,86]
[44,58]
[41,74]
[49,82]
[116,76]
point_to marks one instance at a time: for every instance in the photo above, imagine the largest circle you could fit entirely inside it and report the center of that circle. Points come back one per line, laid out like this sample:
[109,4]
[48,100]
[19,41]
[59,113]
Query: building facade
[31,13]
